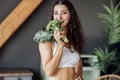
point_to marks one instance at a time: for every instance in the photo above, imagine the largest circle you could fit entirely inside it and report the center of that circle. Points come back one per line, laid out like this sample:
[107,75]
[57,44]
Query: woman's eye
[55,13]
[64,12]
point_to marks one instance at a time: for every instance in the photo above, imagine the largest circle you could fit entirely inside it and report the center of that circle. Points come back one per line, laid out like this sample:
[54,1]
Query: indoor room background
[20,51]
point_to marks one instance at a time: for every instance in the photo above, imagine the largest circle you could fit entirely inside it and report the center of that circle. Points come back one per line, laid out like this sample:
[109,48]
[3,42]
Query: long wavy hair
[75,30]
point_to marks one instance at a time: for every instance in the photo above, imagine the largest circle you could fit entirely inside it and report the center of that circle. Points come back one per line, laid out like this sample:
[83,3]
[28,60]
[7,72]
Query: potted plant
[108,59]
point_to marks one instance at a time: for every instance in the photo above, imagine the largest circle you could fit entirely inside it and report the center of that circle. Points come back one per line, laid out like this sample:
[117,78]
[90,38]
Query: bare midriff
[67,73]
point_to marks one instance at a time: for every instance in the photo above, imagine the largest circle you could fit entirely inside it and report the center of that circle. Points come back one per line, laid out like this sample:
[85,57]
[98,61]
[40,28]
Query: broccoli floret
[47,35]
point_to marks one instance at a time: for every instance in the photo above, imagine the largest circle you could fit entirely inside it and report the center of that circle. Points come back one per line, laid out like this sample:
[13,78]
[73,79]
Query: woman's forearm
[81,67]
[53,64]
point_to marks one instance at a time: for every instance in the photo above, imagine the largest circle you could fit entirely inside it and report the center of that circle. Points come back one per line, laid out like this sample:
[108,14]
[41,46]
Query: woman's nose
[59,17]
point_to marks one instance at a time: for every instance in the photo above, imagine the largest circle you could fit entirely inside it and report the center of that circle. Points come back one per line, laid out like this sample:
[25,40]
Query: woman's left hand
[78,77]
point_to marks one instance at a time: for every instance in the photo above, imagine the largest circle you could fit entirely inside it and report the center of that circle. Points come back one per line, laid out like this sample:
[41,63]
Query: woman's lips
[61,22]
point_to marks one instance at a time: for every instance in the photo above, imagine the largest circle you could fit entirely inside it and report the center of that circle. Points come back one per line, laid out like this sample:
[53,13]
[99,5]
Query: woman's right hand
[58,35]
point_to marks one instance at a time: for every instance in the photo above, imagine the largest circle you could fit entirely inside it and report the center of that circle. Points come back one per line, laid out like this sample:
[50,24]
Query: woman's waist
[66,73]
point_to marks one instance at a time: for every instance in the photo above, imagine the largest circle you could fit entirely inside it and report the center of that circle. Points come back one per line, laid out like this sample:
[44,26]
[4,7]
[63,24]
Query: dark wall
[20,51]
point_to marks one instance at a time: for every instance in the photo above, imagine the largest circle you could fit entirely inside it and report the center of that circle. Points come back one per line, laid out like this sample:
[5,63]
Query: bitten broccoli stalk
[47,35]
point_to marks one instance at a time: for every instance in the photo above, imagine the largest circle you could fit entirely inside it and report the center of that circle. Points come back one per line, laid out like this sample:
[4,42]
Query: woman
[60,60]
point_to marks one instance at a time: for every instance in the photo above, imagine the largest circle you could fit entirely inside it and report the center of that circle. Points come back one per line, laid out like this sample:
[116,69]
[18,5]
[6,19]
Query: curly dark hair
[75,29]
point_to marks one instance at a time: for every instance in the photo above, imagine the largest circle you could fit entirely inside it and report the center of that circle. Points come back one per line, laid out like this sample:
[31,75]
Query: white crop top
[69,59]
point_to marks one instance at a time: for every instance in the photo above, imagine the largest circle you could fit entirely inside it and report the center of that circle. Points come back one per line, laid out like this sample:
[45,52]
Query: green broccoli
[47,35]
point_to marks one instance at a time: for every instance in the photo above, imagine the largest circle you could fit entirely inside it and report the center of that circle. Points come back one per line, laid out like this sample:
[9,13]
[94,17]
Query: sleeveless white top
[69,58]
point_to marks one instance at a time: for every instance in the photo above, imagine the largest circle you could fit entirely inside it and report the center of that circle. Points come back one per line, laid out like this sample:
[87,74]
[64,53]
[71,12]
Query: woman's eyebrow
[60,11]
[64,10]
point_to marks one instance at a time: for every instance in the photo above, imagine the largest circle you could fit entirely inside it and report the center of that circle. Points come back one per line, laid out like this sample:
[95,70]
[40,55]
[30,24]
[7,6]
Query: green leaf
[107,9]
[111,5]
[99,53]
[117,6]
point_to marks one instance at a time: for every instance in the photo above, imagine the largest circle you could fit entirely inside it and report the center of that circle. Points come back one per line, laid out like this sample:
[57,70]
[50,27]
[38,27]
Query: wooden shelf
[15,74]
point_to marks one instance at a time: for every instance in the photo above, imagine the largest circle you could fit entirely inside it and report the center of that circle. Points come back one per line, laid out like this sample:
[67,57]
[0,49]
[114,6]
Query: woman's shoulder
[47,44]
